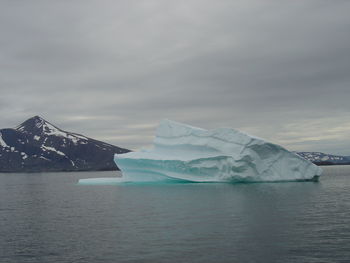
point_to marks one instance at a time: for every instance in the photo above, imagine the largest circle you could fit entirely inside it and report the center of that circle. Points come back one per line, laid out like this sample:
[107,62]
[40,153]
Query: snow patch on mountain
[47,148]
[49,129]
[2,142]
[24,155]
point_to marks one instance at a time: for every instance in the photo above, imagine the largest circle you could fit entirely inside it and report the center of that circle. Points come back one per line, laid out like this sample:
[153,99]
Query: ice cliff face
[185,153]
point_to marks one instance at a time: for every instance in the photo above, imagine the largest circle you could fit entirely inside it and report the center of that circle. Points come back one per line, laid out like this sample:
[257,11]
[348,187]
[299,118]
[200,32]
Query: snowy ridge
[323,158]
[185,153]
[44,128]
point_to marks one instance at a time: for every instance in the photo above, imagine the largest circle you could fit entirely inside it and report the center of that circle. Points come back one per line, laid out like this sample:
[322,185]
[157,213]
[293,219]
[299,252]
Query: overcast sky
[113,69]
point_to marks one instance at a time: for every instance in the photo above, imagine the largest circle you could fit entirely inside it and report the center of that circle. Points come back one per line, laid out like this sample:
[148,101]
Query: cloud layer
[112,69]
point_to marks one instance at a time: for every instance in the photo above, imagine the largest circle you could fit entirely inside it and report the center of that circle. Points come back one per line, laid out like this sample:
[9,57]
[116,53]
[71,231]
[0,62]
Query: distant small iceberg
[182,153]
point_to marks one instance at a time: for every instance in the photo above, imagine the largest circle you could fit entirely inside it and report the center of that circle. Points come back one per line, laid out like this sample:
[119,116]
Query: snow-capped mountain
[320,158]
[37,145]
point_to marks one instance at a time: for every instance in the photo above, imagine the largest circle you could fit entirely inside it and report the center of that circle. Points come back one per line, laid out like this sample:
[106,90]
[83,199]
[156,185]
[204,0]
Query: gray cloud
[113,69]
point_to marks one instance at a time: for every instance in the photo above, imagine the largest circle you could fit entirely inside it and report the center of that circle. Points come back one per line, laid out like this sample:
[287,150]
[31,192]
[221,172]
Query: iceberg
[182,153]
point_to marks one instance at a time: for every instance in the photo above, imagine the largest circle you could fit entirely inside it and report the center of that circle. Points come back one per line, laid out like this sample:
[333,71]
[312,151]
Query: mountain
[320,158]
[38,146]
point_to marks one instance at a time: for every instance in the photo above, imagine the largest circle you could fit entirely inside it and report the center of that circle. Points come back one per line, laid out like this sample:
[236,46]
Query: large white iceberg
[189,154]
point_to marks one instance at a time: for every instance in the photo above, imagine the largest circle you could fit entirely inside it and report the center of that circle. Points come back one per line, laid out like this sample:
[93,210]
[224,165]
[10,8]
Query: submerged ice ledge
[182,153]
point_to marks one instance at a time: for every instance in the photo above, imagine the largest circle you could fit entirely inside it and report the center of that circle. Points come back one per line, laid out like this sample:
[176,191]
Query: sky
[112,69]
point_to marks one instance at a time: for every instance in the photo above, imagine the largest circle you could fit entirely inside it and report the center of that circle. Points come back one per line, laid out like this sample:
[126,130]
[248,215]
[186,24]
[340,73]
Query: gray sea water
[49,218]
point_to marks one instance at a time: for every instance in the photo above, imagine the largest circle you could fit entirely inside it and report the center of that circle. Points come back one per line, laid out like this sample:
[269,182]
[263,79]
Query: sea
[49,217]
